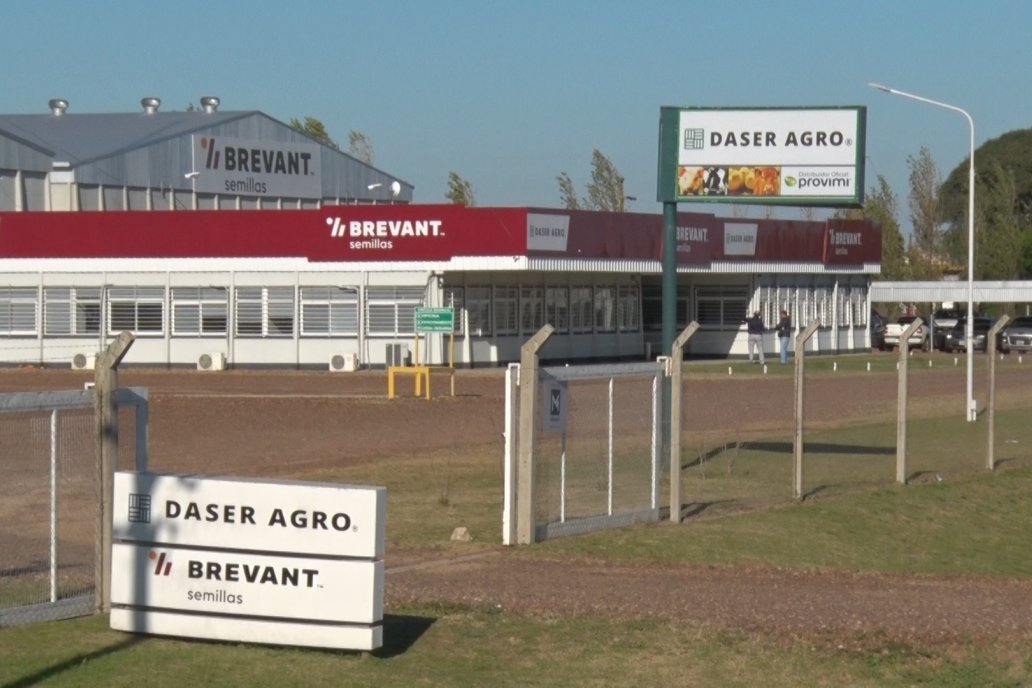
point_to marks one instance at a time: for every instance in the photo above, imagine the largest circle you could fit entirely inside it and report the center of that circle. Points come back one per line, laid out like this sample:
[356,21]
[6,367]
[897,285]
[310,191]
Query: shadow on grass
[70,663]
[819,448]
[400,632]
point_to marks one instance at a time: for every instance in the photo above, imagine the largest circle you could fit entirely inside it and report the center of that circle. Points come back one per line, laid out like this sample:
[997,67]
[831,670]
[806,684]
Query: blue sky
[510,94]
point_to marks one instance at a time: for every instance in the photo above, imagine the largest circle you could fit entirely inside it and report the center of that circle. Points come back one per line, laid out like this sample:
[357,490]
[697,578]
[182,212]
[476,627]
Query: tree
[315,129]
[998,238]
[460,191]
[567,194]
[924,205]
[605,190]
[1013,152]
[882,208]
[359,147]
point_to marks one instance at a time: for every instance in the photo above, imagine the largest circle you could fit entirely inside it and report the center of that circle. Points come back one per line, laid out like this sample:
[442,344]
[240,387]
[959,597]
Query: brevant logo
[162,567]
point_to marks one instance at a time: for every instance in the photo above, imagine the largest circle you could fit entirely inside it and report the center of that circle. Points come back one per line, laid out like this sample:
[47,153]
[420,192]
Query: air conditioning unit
[397,355]
[344,363]
[212,361]
[84,361]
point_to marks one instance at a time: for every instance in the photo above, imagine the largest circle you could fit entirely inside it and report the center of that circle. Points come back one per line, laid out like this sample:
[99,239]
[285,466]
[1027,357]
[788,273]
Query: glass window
[140,310]
[453,298]
[71,310]
[557,308]
[580,310]
[721,307]
[605,309]
[506,303]
[327,311]
[198,311]
[392,310]
[628,309]
[478,306]
[532,309]
[265,311]
[18,310]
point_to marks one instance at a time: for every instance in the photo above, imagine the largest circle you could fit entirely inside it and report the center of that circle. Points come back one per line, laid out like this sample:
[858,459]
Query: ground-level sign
[435,320]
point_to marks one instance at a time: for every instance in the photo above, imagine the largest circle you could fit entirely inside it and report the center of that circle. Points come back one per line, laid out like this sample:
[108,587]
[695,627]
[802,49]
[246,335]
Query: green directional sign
[435,320]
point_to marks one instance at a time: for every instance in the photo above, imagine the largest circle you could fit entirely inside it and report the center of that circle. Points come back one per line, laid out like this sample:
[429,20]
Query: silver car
[1017,335]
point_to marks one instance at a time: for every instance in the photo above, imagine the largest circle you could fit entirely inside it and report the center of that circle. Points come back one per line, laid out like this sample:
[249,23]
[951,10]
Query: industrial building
[297,255]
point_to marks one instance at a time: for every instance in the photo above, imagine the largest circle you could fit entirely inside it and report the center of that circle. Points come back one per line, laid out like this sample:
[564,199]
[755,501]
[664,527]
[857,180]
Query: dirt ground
[289,423]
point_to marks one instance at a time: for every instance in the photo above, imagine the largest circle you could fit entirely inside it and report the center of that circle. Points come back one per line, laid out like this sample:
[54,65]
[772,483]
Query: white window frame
[19,311]
[71,311]
[329,311]
[200,311]
[265,310]
[147,307]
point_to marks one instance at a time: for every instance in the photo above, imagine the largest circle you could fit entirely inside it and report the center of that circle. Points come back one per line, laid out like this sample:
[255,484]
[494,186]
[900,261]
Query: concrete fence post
[676,375]
[990,349]
[901,400]
[799,356]
[525,474]
[105,379]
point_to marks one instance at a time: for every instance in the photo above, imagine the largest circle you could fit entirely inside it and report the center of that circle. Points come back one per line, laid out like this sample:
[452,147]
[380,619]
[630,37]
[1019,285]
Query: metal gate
[50,498]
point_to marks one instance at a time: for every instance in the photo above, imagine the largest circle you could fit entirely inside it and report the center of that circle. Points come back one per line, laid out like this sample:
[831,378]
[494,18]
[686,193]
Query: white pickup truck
[918,339]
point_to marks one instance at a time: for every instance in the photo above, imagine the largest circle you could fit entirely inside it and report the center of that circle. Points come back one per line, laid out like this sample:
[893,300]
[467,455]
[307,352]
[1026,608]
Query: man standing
[756,329]
[784,330]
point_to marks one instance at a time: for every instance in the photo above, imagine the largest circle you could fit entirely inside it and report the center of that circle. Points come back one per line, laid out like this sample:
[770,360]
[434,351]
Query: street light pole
[971,411]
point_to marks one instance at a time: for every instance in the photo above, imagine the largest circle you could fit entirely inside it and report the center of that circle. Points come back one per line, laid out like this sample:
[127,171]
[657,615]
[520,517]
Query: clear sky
[510,94]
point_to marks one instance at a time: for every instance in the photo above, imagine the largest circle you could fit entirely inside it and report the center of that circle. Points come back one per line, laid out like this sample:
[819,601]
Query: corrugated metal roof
[1000,291]
[82,138]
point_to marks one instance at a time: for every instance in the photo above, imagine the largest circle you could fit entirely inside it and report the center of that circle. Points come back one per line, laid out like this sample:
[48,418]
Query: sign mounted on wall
[772,156]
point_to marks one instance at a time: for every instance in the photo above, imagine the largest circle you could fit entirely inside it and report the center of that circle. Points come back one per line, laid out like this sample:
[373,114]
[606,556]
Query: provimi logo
[162,567]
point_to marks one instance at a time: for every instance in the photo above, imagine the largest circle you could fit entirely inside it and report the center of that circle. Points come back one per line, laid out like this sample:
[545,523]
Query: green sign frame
[811,156]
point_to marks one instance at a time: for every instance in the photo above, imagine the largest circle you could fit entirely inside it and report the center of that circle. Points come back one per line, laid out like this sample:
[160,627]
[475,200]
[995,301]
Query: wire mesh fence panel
[736,441]
[48,513]
[600,468]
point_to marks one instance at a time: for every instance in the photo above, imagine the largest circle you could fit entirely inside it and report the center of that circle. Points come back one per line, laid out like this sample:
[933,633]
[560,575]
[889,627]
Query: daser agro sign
[288,563]
[773,156]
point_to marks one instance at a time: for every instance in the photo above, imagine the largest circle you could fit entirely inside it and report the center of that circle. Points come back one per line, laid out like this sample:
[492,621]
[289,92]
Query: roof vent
[210,103]
[150,105]
[58,106]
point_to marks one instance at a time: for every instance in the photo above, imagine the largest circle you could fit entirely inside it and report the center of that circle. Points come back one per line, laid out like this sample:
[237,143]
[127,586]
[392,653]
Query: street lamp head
[879,87]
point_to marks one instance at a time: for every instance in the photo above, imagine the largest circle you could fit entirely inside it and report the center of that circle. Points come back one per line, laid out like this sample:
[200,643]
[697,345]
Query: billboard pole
[669,306]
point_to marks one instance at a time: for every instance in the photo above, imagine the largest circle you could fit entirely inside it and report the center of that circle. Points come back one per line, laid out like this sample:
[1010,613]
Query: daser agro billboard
[770,156]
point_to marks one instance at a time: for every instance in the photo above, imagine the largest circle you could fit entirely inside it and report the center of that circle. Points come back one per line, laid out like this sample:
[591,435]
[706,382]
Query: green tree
[460,191]
[605,190]
[924,205]
[1013,152]
[998,238]
[359,147]
[882,208]
[315,129]
[567,194]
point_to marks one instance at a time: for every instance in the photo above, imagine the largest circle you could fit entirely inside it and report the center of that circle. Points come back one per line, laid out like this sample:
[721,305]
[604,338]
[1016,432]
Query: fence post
[901,401]
[105,385]
[797,441]
[525,502]
[676,359]
[990,349]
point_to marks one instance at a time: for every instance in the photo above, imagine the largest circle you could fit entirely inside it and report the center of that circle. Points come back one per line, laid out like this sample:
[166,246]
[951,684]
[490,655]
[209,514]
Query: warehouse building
[296,255]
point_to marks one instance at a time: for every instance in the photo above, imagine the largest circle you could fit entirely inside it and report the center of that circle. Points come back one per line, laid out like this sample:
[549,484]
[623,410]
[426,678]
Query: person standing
[784,330]
[756,328]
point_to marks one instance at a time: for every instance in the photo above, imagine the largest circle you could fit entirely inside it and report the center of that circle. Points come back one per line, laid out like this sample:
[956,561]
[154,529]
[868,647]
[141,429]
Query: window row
[511,310]
[205,311]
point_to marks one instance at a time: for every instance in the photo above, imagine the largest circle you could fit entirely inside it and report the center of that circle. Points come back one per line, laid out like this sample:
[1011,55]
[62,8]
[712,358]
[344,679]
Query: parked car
[918,338]
[955,336]
[877,325]
[943,320]
[1017,335]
